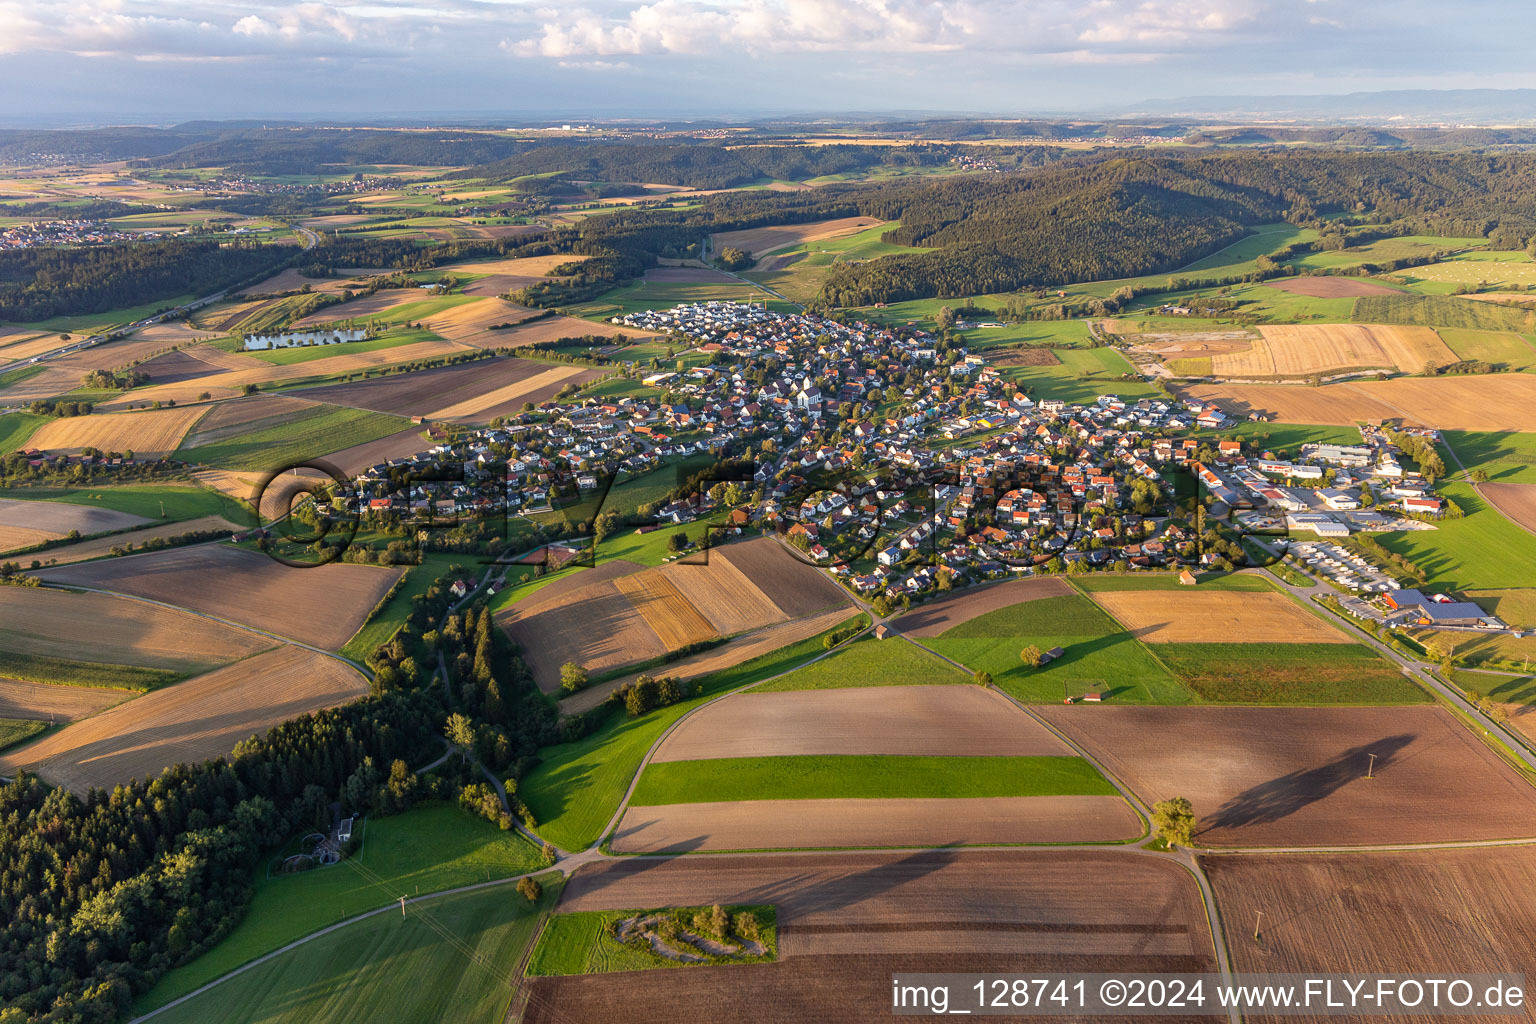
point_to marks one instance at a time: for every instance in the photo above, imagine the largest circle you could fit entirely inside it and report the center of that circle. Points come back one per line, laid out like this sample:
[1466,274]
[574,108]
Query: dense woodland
[39,283]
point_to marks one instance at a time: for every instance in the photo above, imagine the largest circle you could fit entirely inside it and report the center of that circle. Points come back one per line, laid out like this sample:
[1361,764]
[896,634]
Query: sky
[181,59]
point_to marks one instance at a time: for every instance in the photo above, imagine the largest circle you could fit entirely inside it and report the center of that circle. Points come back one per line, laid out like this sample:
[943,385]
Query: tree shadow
[1279,798]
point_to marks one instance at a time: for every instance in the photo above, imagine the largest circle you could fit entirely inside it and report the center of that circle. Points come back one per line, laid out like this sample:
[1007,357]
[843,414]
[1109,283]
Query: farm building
[1441,610]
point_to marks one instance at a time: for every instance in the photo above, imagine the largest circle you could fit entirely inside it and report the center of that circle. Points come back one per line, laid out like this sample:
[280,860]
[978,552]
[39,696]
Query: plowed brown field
[1517,501]
[1238,617]
[87,549]
[724,595]
[323,606]
[794,587]
[153,431]
[910,720]
[1410,913]
[934,617]
[452,389]
[596,626]
[538,388]
[61,516]
[1329,287]
[1296,776]
[114,630]
[191,721]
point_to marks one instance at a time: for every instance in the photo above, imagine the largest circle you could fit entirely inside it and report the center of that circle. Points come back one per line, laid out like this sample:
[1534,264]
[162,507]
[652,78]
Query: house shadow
[1279,798]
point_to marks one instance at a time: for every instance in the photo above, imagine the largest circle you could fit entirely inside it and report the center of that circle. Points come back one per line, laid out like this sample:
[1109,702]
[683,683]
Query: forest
[39,283]
[1093,218]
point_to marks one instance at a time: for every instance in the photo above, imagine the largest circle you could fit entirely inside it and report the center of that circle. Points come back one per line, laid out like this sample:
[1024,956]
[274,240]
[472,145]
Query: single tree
[982,678]
[530,890]
[1031,656]
[572,677]
[461,733]
[1174,820]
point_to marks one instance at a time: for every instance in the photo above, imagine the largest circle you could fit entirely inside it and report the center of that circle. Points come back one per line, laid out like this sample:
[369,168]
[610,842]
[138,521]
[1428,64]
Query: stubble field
[1194,616]
[188,722]
[1299,350]
[150,432]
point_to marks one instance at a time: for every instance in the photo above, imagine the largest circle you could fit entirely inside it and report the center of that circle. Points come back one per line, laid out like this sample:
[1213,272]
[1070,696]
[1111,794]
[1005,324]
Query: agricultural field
[1502,348]
[932,721]
[15,428]
[1301,350]
[385,968]
[1516,502]
[1507,458]
[762,241]
[101,547]
[16,730]
[1497,402]
[24,523]
[1484,549]
[588,942]
[1195,616]
[1442,311]
[578,786]
[192,721]
[847,921]
[1480,269]
[1329,287]
[319,430]
[324,605]
[1297,776]
[1382,250]
[933,618]
[481,389]
[1395,913]
[150,432]
[431,848]
[1287,673]
[46,702]
[100,631]
[620,613]
[871,662]
[1099,655]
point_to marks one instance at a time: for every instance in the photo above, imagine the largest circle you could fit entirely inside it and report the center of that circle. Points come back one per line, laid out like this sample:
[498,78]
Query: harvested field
[471,322]
[1425,912]
[1516,501]
[1296,776]
[57,518]
[813,824]
[596,626]
[728,655]
[176,332]
[323,605]
[724,595]
[191,721]
[1301,350]
[1501,401]
[509,274]
[379,303]
[743,587]
[230,383]
[848,921]
[794,587]
[153,431]
[538,389]
[113,630]
[19,346]
[43,702]
[353,460]
[64,374]
[762,241]
[224,420]
[87,549]
[934,617]
[664,609]
[550,328]
[1166,345]
[448,388]
[689,275]
[1329,287]
[14,538]
[912,720]
[1192,616]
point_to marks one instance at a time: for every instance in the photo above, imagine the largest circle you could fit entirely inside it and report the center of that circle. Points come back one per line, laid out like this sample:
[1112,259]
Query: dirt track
[796,824]
[909,720]
[1296,776]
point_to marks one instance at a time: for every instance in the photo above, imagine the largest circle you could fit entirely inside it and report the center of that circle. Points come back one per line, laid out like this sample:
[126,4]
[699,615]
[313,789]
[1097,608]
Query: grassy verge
[424,850]
[578,786]
[864,776]
[581,943]
[386,968]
